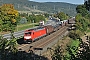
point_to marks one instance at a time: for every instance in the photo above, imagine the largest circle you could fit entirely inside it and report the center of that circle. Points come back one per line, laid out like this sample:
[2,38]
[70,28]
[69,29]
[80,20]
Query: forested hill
[50,7]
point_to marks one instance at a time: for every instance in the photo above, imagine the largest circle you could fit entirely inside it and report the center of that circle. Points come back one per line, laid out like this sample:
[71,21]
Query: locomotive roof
[35,29]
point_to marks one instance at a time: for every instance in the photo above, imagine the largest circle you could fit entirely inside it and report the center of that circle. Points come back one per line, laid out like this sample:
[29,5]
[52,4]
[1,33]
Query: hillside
[50,7]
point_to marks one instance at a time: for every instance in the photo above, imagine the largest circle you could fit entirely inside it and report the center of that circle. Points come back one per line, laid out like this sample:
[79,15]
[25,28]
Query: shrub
[74,35]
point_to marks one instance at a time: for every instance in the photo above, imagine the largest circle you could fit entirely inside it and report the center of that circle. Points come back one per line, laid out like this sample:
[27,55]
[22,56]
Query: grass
[73,47]
[23,27]
[75,43]
[88,30]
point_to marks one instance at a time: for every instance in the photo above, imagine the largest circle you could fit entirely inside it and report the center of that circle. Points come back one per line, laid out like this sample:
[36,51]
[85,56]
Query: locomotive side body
[39,33]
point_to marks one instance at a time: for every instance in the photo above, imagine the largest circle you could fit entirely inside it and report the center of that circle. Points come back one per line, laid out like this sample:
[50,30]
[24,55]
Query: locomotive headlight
[27,37]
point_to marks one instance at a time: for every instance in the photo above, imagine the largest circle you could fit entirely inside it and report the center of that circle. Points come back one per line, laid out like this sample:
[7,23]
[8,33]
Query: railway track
[50,40]
[43,43]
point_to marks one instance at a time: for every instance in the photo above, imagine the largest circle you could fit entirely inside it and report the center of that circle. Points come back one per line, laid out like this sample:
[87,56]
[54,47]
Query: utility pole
[2,2]
[33,23]
[18,5]
[34,7]
[54,7]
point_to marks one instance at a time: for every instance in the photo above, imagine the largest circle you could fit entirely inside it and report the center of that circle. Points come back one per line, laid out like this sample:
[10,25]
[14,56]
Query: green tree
[78,17]
[46,15]
[57,53]
[23,20]
[81,22]
[7,16]
[61,16]
[31,17]
[86,5]
[74,35]
[6,47]
[38,18]
[82,9]
[87,16]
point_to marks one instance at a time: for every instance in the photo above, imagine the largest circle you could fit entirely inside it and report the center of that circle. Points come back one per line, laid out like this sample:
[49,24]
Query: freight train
[33,34]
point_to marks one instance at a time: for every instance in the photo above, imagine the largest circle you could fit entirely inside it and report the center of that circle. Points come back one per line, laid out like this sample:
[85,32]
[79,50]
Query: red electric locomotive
[32,34]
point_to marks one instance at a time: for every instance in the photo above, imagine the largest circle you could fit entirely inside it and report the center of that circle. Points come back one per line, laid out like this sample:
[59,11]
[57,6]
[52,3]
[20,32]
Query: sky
[68,1]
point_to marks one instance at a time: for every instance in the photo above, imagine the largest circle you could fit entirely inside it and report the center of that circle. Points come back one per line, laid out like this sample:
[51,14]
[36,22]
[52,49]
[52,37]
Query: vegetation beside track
[26,26]
[82,28]
[9,23]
